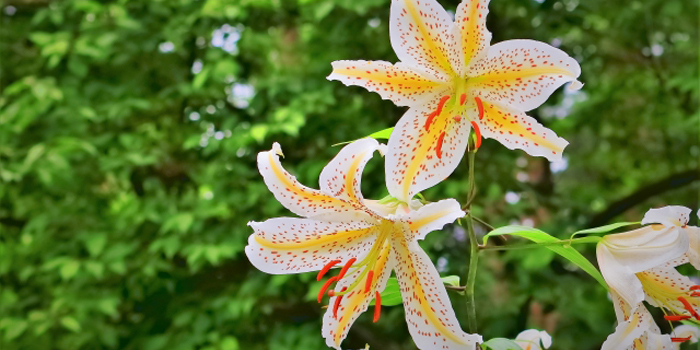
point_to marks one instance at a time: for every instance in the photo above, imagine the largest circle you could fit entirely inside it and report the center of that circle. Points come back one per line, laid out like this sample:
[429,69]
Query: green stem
[538,245]
[473,250]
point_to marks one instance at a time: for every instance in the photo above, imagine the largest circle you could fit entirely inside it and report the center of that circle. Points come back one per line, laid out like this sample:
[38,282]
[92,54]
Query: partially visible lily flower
[622,256]
[640,265]
[533,339]
[636,329]
[365,239]
[454,80]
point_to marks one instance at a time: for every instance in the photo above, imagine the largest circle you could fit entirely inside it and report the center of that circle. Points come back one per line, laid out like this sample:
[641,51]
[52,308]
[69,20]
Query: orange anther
[429,120]
[480,107]
[368,282]
[336,305]
[462,99]
[477,132]
[457,118]
[346,267]
[680,340]
[696,287]
[377,306]
[441,104]
[689,307]
[325,287]
[676,317]
[438,147]
[326,268]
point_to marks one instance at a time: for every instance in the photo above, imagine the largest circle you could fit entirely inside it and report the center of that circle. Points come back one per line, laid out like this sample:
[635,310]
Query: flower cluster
[455,83]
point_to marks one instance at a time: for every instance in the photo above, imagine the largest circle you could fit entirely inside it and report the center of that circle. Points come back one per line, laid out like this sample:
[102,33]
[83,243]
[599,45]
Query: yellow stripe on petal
[521,74]
[516,130]
[299,199]
[421,35]
[429,314]
[470,18]
[350,235]
[399,83]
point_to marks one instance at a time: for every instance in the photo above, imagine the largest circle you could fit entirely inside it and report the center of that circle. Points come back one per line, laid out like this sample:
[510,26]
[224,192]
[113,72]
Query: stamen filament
[326,268]
[377,306]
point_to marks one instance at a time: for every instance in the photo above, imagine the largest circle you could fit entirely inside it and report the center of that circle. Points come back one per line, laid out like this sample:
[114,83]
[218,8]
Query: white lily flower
[453,80]
[533,339]
[621,256]
[366,239]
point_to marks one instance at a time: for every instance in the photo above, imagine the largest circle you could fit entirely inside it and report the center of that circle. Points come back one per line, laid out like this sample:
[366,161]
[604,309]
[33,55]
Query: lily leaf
[500,344]
[391,295]
[604,228]
[379,135]
[542,237]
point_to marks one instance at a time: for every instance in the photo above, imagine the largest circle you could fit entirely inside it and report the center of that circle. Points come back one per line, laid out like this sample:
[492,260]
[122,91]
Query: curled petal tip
[575,85]
[277,149]
[382,149]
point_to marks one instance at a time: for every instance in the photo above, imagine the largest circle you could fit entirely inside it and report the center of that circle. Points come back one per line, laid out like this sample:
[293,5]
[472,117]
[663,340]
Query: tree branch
[671,182]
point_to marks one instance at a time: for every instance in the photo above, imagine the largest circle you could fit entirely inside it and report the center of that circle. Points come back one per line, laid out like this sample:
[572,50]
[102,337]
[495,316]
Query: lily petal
[354,303]
[401,83]
[342,176]
[431,320]
[431,217]
[421,35]
[619,277]
[693,253]
[647,247]
[293,245]
[629,331]
[522,73]
[299,199]
[418,158]
[671,215]
[531,339]
[516,130]
[472,37]
[664,285]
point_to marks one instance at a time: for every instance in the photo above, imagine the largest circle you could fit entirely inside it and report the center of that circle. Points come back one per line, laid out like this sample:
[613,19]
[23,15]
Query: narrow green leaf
[605,228]
[392,293]
[379,135]
[539,236]
[500,344]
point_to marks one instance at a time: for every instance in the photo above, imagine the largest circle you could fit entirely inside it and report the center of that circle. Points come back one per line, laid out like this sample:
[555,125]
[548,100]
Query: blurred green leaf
[500,344]
[541,237]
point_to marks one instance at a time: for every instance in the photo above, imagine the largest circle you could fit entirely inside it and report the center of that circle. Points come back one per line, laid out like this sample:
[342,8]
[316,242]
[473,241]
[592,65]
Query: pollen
[377,307]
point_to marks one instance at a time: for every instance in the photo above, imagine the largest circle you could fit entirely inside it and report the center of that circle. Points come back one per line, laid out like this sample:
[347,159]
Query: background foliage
[128,134]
